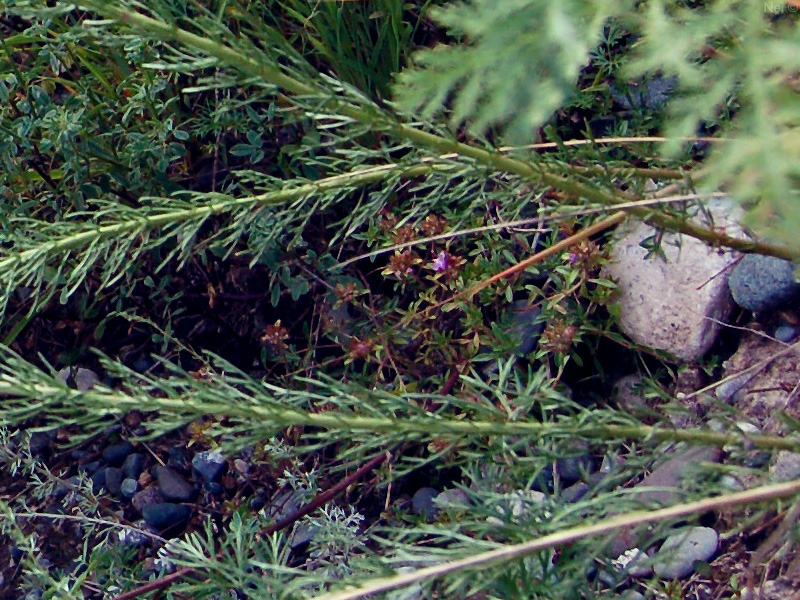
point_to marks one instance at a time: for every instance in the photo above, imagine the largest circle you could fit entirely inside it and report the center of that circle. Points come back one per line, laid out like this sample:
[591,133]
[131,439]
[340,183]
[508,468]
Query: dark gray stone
[179,459]
[41,443]
[166,515]
[786,334]
[173,486]
[99,479]
[91,467]
[303,534]
[526,326]
[133,465]
[422,503]
[210,465]
[116,454]
[129,487]
[574,492]
[760,283]
[213,487]
[146,497]
[62,489]
[114,478]
[572,469]
[676,557]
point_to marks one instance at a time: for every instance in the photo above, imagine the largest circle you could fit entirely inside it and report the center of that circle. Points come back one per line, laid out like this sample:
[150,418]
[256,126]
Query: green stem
[378,119]
[354,179]
[116,403]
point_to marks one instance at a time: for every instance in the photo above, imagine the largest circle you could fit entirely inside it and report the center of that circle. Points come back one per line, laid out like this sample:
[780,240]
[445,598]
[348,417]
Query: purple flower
[442,262]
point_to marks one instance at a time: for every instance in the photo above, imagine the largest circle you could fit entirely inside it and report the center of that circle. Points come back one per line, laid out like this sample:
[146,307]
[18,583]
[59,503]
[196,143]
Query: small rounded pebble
[727,390]
[41,443]
[116,454]
[165,515]
[574,492]
[241,466]
[634,562]
[422,503]
[303,534]
[526,326]
[133,465]
[210,465]
[129,487]
[173,486]
[133,538]
[179,459]
[146,497]
[62,489]
[99,479]
[631,595]
[454,498]
[679,552]
[786,467]
[114,477]
[761,283]
[572,469]
[213,487]
[786,334]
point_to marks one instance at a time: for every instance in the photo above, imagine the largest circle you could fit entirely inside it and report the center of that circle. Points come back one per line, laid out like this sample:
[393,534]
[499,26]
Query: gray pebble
[165,515]
[133,465]
[572,469]
[574,492]
[173,486]
[526,326]
[41,443]
[760,283]
[453,499]
[129,487]
[78,378]
[786,467]
[62,489]
[210,465]
[146,497]
[133,537]
[99,479]
[422,503]
[677,555]
[114,478]
[179,459]
[116,454]
[786,334]
[727,390]
[303,534]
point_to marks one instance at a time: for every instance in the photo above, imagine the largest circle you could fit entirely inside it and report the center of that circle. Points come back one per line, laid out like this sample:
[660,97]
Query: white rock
[674,305]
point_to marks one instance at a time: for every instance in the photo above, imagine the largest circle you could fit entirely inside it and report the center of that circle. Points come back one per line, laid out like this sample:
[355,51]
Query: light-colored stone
[680,551]
[673,305]
[786,467]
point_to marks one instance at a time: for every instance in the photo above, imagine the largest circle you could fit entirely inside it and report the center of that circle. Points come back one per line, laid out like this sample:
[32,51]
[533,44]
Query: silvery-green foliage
[512,63]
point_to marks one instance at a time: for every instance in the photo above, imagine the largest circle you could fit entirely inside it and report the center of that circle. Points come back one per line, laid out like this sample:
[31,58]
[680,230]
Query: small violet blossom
[442,262]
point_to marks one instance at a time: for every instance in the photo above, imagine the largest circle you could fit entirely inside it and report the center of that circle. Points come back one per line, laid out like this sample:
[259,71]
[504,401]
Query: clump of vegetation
[297,228]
